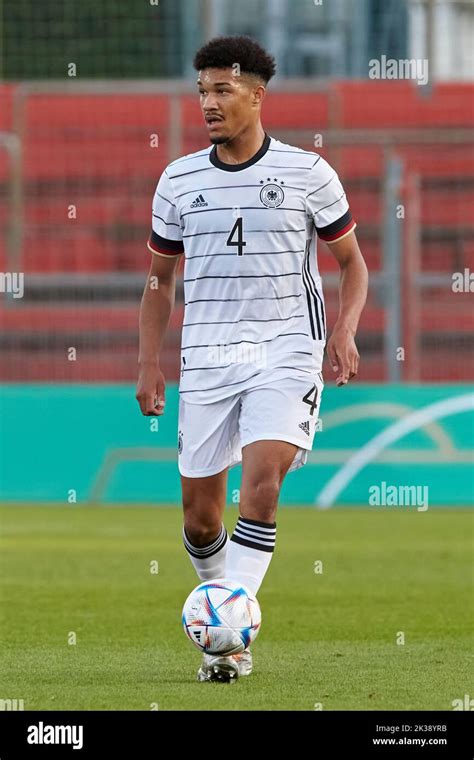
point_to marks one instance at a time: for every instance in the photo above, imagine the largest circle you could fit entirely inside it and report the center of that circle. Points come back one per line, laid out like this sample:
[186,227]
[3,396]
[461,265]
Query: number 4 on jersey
[240,242]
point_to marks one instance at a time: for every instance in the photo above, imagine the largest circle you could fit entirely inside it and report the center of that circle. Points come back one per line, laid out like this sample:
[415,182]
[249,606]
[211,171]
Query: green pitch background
[327,638]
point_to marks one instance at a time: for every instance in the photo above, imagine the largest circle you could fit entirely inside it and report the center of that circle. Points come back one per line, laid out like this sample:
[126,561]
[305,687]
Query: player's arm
[341,347]
[155,310]
[166,244]
[327,204]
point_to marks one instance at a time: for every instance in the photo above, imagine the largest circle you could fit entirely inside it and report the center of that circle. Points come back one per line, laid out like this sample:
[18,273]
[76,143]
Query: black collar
[214,159]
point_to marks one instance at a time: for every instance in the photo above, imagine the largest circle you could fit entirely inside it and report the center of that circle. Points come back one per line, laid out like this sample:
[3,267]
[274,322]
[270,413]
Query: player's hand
[343,354]
[151,390]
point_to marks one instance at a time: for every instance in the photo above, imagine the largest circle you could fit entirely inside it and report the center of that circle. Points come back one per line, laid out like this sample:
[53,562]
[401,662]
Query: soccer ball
[221,617]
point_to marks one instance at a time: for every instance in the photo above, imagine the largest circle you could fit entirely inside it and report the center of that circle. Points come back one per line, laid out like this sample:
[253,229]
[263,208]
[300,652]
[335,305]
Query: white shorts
[211,436]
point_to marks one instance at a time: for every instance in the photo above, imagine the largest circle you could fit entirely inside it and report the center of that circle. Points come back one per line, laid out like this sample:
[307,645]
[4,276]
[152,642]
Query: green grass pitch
[327,638]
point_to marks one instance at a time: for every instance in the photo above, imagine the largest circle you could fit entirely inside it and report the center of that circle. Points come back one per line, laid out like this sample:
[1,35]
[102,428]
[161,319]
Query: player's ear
[258,94]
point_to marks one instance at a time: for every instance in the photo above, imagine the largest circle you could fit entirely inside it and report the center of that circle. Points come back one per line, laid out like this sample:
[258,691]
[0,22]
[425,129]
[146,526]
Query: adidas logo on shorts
[304,426]
[199,202]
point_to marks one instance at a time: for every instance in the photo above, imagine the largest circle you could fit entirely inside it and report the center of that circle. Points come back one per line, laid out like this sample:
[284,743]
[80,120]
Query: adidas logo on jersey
[199,202]
[304,426]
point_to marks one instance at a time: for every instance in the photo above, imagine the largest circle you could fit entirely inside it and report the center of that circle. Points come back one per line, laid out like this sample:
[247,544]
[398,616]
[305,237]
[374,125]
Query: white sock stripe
[204,550]
[253,537]
[254,531]
[250,526]
[208,553]
[252,544]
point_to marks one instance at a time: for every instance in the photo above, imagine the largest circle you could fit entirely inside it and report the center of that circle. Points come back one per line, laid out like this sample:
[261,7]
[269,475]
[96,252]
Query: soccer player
[246,213]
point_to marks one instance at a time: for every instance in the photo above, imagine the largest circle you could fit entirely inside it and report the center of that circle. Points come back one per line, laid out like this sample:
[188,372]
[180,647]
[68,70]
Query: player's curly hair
[224,52]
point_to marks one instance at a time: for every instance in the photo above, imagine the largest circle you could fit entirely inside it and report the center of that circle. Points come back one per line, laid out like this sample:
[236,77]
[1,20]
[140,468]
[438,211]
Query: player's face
[228,103]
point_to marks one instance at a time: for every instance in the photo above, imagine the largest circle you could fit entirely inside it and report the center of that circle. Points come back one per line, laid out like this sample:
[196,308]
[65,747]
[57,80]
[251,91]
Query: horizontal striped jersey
[254,304]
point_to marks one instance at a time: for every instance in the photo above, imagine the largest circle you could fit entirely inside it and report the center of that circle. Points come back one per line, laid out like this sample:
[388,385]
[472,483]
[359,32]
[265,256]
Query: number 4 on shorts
[311,401]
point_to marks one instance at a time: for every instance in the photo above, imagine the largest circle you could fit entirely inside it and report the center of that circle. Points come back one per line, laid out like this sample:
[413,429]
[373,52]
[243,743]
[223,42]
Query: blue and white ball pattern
[221,617]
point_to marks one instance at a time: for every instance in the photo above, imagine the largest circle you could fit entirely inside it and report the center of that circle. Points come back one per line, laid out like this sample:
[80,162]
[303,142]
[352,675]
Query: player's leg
[277,425]
[208,445]
[204,534]
[264,466]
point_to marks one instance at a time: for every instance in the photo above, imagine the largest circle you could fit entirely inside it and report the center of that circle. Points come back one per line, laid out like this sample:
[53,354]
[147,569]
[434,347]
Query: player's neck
[243,147]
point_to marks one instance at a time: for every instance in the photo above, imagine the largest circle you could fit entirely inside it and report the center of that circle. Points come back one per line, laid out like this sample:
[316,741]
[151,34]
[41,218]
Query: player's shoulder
[294,157]
[188,163]
[284,152]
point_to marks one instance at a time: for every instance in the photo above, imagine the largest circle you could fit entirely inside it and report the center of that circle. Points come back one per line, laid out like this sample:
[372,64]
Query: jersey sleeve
[166,236]
[327,204]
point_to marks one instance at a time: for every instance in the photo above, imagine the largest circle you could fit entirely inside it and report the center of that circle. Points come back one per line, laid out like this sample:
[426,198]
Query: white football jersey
[254,303]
